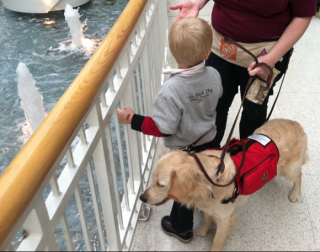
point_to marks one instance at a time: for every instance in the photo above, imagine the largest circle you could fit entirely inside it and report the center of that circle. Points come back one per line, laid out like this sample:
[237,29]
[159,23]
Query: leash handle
[226,38]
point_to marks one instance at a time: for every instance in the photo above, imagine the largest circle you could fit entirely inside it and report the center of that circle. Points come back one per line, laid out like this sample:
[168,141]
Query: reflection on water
[43,43]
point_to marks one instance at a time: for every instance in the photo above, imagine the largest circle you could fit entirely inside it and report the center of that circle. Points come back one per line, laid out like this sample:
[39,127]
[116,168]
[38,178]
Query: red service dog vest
[260,164]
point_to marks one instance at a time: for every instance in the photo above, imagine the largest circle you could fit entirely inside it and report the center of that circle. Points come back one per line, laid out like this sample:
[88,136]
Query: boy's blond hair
[190,41]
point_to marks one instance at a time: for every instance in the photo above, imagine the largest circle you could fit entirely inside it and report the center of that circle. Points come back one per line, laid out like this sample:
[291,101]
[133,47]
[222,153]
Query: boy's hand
[125,115]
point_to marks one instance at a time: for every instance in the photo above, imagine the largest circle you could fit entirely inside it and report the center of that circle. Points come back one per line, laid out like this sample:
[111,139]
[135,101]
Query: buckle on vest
[235,194]
[188,148]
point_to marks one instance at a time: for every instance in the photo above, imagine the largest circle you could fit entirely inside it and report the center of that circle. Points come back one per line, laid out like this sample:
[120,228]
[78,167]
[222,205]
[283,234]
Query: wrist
[268,59]
[200,3]
[129,118]
[272,59]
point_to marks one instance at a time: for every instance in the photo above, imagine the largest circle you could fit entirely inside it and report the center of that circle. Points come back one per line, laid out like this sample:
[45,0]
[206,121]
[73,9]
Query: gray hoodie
[186,108]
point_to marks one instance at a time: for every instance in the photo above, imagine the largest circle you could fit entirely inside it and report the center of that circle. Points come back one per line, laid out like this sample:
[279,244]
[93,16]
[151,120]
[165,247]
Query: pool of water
[27,38]
[36,40]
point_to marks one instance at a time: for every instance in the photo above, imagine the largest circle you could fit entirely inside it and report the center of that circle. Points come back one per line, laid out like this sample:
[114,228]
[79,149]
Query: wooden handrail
[25,174]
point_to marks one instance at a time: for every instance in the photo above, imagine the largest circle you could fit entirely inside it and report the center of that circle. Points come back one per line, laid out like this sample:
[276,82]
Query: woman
[251,21]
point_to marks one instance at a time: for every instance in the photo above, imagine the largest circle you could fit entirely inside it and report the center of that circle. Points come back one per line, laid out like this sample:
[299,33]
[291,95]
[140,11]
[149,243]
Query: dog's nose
[143,198]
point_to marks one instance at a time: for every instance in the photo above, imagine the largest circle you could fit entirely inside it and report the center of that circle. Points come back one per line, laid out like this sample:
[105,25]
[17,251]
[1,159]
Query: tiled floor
[268,221]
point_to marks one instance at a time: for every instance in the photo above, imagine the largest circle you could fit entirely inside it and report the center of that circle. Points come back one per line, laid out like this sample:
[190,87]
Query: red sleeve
[146,125]
[150,128]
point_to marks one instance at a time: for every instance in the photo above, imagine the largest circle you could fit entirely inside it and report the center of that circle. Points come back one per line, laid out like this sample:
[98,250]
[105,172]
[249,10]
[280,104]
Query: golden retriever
[177,176]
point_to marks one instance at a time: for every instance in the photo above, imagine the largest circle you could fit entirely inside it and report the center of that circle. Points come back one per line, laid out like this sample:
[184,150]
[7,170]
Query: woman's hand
[290,36]
[261,71]
[187,9]
[125,115]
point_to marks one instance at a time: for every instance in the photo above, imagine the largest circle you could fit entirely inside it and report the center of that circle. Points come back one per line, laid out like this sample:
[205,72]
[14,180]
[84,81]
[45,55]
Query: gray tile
[302,75]
[304,108]
[269,221]
[311,188]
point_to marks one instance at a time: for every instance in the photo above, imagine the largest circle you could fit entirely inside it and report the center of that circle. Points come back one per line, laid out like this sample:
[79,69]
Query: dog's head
[178,177]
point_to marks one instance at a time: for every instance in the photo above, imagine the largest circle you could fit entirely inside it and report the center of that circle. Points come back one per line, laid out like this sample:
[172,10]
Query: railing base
[144,213]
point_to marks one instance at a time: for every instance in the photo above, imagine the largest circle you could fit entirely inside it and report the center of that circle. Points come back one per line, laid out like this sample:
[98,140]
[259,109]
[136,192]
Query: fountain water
[72,17]
[31,99]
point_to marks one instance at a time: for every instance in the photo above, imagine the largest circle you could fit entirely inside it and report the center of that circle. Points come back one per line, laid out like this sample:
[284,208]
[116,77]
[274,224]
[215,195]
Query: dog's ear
[163,154]
[181,185]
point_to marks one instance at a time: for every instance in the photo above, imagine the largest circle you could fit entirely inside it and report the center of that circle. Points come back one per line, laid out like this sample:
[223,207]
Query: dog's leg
[295,193]
[293,173]
[223,229]
[204,228]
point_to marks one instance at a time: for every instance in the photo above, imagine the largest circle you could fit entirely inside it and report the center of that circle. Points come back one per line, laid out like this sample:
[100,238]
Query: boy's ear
[207,57]
[181,185]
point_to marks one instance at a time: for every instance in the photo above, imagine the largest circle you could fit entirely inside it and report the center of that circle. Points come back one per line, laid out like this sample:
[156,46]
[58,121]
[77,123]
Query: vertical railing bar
[139,88]
[96,206]
[70,158]
[111,85]
[128,54]
[139,30]
[83,220]
[158,48]
[54,186]
[145,69]
[145,18]
[103,100]
[83,137]
[66,232]
[136,140]
[101,158]
[124,180]
[153,63]
[135,37]
[10,248]
[142,101]
[128,154]
[149,9]
[118,69]
[131,88]
[130,49]
[114,177]
[151,60]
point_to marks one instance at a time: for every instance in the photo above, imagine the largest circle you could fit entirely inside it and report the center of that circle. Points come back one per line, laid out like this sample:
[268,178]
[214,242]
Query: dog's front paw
[202,231]
[214,248]
[294,196]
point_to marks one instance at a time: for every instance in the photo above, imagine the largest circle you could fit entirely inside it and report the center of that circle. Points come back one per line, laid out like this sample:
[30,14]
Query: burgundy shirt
[253,21]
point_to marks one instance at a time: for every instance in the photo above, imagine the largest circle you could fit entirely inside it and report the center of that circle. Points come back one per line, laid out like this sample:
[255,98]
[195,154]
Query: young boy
[185,109]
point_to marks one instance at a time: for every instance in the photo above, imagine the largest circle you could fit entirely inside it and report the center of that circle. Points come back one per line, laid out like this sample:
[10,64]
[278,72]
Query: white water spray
[31,99]
[72,17]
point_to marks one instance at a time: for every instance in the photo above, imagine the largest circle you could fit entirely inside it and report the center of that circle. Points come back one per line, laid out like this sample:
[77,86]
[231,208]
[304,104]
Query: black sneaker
[166,227]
